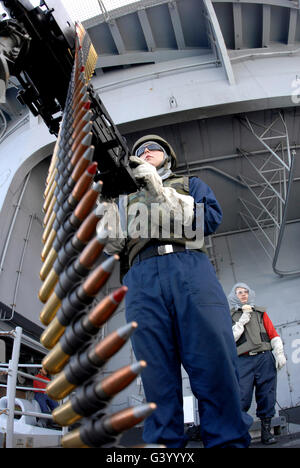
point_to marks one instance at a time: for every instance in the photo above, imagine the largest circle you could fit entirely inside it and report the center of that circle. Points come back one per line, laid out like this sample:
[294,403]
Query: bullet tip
[89,153]
[92,169]
[119,294]
[109,264]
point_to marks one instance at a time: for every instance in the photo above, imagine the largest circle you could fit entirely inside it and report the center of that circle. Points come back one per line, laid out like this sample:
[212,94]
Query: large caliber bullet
[53,161]
[86,107]
[142,446]
[78,95]
[95,357]
[51,180]
[93,397]
[79,169]
[70,134]
[77,300]
[84,364]
[82,200]
[82,147]
[65,183]
[83,191]
[74,116]
[71,112]
[84,234]
[81,135]
[81,124]
[82,212]
[65,156]
[83,209]
[76,271]
[104,431]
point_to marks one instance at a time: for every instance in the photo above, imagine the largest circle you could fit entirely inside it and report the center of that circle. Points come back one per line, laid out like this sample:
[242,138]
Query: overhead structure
[217,40]
[270,187]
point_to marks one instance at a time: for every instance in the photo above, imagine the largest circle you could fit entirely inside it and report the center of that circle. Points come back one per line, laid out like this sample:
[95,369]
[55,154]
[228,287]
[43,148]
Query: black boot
[266,437]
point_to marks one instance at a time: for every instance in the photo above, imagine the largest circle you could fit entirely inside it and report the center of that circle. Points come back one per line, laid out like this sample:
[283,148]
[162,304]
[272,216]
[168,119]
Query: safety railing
[12,371]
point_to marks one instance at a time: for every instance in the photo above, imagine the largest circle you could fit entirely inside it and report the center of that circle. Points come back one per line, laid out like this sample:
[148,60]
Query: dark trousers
[259,373]
[183,318]
[47,405]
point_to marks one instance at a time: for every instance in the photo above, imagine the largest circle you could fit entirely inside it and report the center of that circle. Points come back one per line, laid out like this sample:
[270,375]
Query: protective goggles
[240,292]
[151,147]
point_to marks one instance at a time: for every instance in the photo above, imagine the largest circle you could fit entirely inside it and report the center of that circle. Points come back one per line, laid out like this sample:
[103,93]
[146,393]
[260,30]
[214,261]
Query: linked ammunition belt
[73,275]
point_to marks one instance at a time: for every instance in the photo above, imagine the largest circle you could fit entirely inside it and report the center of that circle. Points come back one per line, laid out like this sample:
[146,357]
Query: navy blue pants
[183,318]
[47,404]
[258,372]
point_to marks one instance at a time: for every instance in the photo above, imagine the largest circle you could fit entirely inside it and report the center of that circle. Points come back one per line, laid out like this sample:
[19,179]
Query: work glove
[110,223]
[148,175]
[246,315]
[238,327]
[277,347]
[168,198]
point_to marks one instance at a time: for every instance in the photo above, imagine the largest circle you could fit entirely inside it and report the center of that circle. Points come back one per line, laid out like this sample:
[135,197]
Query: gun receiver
[38,48]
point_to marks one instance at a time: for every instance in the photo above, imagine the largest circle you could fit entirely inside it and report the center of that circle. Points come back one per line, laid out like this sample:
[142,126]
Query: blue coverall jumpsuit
[183,318]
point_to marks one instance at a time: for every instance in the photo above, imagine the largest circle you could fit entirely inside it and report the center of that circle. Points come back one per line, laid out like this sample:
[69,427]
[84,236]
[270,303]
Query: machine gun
[38,48]
[54,60]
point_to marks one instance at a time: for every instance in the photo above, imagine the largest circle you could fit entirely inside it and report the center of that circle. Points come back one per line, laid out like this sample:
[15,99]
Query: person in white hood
[256,338]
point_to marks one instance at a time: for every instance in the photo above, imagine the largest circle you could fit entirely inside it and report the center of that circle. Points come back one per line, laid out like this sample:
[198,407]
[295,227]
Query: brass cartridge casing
[48,245]
[60,387]
[52,334]
[50,309]
[51,257]
[55,360]
[51,180]
[72,440]
[48,286]
[49,196]
[65,415]
[48,228]
[49,211]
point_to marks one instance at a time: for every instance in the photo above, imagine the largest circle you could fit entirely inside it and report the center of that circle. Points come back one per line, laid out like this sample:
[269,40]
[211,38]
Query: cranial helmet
[156,138]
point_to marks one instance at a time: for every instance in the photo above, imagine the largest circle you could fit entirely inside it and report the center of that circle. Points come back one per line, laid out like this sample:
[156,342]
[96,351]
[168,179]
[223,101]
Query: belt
[253,353]
[157,250]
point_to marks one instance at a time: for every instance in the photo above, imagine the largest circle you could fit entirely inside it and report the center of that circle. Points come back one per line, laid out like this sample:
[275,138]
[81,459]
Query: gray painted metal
[179,25]
[219,41]
[205,139]
[239,258]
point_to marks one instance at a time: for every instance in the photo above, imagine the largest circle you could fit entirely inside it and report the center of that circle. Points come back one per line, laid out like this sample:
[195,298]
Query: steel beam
[219,40]
[270,201]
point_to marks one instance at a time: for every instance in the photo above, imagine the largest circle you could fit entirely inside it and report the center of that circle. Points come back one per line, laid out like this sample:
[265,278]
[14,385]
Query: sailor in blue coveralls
[261,354]
[181,310]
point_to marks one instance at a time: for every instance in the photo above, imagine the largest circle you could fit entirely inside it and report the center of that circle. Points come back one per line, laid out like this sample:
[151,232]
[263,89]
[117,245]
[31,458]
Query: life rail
[12,370]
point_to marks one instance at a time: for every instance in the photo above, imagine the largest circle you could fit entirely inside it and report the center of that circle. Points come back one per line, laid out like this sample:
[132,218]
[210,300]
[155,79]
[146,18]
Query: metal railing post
[11,387]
